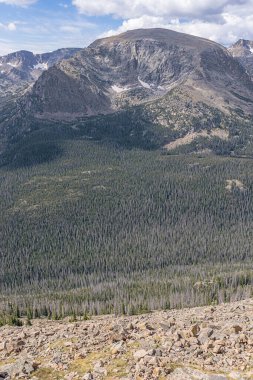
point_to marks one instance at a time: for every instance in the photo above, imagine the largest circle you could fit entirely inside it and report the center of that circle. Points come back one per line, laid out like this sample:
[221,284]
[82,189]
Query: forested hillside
[95,227]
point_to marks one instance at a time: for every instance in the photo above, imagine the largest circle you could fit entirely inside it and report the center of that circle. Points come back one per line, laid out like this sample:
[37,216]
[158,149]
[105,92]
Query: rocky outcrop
[141,66]
[21,69]
[208,343]
[168,87]
[242,50]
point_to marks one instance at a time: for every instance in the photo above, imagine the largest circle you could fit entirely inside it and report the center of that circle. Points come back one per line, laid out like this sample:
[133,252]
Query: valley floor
[208,343]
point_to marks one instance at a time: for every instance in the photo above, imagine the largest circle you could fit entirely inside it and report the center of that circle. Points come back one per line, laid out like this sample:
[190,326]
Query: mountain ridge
[171,83]
[242,50]
[19,70]
[140,69]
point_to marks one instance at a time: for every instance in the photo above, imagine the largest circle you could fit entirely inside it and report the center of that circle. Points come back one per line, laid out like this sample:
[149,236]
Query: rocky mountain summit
[156,88]
[166,85]
[242,50]
[207,343]
[142,66]
[21,69]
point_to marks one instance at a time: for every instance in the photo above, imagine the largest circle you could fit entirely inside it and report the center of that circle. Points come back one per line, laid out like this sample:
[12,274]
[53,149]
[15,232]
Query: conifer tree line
[99,228]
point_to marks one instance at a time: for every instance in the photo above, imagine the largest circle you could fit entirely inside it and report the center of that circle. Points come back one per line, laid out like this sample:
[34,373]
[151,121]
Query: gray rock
[242,51]
[141,67]
[20,69]
[88,376]
[23,366]
[4,375]
[140,354]
[204,335]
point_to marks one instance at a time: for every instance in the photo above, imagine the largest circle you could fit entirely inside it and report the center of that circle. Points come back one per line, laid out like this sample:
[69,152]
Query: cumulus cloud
[227,32]
[11,26]
[138,8]
[20,3]
[221,20]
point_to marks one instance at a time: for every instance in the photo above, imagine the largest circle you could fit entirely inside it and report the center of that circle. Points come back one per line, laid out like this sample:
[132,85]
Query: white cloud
[224,21]
[11,26]
[226,33]
[46,34]
[20,3]
[137,8]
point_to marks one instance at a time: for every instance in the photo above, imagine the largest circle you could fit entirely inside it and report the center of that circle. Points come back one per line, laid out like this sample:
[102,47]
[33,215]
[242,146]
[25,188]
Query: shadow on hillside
[43,143]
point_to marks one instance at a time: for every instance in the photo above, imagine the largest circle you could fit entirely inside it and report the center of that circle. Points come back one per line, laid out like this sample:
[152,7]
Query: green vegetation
[93,227]
[10,316]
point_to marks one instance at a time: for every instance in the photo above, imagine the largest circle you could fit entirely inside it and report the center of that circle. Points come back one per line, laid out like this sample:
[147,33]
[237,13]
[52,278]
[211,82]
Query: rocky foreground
[209,343]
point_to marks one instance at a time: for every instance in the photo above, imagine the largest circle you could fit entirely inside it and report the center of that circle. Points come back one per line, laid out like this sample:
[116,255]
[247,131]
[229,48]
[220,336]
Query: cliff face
[242,50]
[19,70]
[138,67]
[161,83]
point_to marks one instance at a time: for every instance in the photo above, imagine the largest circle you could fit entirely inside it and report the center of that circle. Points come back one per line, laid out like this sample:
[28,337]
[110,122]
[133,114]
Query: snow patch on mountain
[144,84]
[41,66]
[118,89]
[13,64]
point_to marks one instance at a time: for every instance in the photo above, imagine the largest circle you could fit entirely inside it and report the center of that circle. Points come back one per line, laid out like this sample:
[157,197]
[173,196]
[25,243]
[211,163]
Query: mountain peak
[155,34]
[242,47]
[242,43]
[137,67]
[22,68]
[242,50]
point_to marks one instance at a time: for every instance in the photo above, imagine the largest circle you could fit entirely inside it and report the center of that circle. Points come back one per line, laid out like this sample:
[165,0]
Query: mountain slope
[92,224]
[154,86]
[242,50]
[21,69]
[208,343]
[139,66]
[88,225]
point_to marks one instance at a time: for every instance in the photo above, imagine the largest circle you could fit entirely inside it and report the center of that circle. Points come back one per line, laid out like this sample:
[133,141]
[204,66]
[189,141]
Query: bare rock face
[154,88]
[142,66]
[242,50]
[205,343]
[19,70]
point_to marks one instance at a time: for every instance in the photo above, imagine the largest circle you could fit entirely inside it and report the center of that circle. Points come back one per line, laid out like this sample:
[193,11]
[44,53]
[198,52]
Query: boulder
[87,376]
[140,354]
[204,335]
[4,375]
[194,330]
[23,366]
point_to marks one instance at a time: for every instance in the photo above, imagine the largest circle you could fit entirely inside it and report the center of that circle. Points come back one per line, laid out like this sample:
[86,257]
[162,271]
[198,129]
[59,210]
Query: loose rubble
[208,343]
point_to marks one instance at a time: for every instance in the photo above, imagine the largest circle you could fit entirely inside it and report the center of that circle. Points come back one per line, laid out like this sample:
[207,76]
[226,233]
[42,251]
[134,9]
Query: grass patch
[117,368]
[82,366]
[48,374]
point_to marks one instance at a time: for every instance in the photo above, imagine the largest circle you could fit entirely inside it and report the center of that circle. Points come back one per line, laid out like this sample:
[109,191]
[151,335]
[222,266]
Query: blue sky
[45,25]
